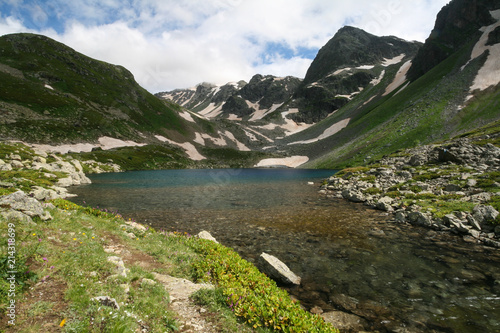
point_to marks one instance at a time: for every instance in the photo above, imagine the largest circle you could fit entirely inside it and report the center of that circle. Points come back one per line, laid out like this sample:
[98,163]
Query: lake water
[398,277]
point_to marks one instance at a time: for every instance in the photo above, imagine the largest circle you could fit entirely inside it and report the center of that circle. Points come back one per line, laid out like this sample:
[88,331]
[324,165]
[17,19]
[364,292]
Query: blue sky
[170,44]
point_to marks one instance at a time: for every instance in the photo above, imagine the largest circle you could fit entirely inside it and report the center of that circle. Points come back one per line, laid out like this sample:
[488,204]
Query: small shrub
[250,294]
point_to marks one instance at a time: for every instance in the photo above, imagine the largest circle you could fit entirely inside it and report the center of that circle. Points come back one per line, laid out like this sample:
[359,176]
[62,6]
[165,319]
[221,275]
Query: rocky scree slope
[450,187]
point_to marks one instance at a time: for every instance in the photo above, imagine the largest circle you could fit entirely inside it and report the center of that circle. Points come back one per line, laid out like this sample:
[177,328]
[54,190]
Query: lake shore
[452,187]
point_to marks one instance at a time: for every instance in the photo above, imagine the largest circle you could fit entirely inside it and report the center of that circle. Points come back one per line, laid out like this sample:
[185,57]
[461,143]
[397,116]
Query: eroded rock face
[277,270]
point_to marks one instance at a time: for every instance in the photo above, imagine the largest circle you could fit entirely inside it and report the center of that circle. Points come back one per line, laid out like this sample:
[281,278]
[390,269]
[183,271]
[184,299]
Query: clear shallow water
[351,258]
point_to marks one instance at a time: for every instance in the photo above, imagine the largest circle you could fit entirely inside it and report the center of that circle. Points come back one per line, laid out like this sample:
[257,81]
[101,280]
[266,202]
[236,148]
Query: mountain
[457,93]
[347,64]
[366,96]
[457,24]
[51,94]
[362,98]
[241,100]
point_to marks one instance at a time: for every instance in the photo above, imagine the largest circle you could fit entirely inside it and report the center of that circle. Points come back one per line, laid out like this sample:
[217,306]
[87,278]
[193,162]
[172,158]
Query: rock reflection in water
[350,258]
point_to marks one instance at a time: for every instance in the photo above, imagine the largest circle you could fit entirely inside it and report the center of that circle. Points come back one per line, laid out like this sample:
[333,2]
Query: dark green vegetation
[157,157]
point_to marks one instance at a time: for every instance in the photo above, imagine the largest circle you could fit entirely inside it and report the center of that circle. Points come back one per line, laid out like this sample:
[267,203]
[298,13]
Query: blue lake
[397,277]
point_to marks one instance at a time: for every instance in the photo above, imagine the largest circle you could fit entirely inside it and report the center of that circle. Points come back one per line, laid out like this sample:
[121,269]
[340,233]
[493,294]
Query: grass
[67,254]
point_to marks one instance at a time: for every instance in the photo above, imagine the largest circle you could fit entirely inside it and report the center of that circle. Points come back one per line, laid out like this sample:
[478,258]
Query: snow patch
[399,79]
[291,162]
[335,128]
[211,111]
[489,74]
[199,139]
[105,143]
[259,114]
[378,79]
[186,115]
[393,61]
[188,147]
[233,117]
[240,145]
[48,87]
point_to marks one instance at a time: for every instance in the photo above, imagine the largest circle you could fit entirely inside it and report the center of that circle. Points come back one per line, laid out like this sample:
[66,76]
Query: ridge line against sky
[169,44]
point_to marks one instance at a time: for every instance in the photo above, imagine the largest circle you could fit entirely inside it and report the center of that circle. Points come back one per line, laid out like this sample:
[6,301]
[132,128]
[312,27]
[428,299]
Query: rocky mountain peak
[352,47]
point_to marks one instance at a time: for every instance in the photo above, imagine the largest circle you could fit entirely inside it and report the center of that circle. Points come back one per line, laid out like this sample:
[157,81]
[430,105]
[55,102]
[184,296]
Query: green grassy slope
[51,93]
[427,110]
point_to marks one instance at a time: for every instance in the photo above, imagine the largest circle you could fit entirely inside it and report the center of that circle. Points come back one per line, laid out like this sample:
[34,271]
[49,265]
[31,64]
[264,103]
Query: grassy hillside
[51,93]
[428,110]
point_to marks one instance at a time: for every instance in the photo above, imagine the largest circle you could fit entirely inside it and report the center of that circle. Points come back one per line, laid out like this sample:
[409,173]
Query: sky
[171,44]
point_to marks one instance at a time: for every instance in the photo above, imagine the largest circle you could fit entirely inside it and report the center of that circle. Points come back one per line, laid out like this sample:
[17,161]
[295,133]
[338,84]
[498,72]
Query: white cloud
[171,44]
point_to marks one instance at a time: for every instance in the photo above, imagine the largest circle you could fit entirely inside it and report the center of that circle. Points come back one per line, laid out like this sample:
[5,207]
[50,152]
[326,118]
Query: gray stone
[453,222]
[277,270]
[472,221]
[43,194]
[353,195]
[17,164]
[400,216]
[452,188]
[206,235]
[6,167]
[6,184]
[385,203]
[23,203]
[484,214]
[15,157]
[419,218]
[14,215]
[471,182]
[417,160]
[119,266]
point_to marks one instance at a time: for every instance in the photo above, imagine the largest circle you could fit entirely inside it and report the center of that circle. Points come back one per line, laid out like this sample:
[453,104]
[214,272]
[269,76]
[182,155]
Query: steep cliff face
[457,24]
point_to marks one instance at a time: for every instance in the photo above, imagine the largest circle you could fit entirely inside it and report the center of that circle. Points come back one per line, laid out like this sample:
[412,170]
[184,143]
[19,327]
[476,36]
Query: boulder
[419,218]
[206,235]
[452,221]
[43,194]
[452,188]
[277,270]
[418,159]
[484,214]
[14,215]
[353,195]
[20,201]
[385,203]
